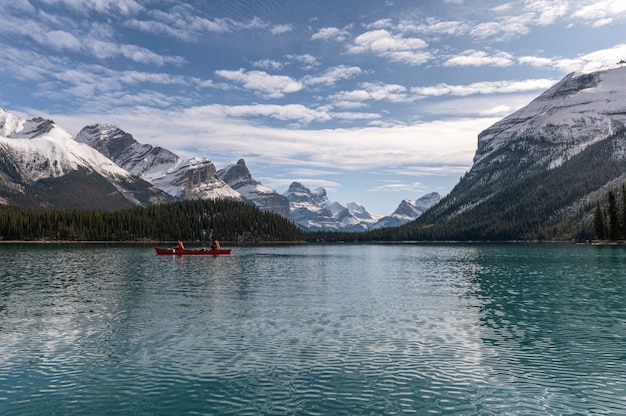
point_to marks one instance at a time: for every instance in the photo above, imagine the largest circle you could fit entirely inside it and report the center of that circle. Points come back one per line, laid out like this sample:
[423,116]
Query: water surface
[313,329]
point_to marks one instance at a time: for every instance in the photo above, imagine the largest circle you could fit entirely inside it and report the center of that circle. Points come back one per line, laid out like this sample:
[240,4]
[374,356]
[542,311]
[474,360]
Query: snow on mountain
[42,165]
[562,152]
[408,210]
[194,178]
[37,149]
[576,112]
[238,177]
[41,149]
[312,210]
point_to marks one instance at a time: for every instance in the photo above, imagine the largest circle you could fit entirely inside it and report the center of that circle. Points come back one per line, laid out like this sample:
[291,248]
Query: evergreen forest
[609,219]
[190,221]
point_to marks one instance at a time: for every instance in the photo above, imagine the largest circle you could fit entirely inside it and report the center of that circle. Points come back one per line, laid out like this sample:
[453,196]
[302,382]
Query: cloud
[549,11]
[262,83]
[601,13]
[436,27]
[93,41]
[280,29]
[181,22]
[308,61]
[371,91]
[297,114]
[110,7]
[331,33]
[584,63]
[486,87]
[219,133]
[399,187]
[268,64]
[394,47]
[593,61]
[536,61]
[60,39]
[332,75]
[473,57]
[479,106]
[290,112]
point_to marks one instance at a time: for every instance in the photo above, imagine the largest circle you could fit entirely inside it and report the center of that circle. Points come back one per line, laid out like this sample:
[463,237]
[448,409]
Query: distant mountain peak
[238,177]
[184,179]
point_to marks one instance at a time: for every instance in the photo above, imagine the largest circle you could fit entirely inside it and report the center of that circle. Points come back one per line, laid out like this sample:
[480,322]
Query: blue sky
[374,100]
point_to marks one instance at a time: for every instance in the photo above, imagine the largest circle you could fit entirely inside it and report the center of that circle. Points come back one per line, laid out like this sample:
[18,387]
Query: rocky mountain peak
[108,139]
[188,179]
[236,175]
[559,124]
[20,128]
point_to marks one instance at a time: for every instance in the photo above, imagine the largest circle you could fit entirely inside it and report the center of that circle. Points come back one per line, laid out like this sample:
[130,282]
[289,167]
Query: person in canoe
[216,245]
[180,246]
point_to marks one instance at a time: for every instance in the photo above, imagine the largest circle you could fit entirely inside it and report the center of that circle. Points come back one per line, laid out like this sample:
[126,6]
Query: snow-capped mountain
[313,211]
[38,159]
[194,178]
[35,152]
[578,111]
[408,210]
[238,177]
[538,172]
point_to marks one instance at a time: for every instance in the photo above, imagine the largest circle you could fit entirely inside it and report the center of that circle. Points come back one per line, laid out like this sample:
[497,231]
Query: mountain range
[537,174]
[42,165]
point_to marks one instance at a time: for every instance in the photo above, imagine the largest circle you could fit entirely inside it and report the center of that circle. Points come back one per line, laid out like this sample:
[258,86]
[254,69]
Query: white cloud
[594,61]
[262,83]
[479,58]
[549,11]
[434,26]
[332,75]
[600,13]
[479,106]
[268,64]
[536,61]
[381,42]
[280,29]
[60,39]
[217,132]
[307,61]
[371,91]
[399,187]
[584,63]
[486,87]
[331,33]
[394,47]
[113,7]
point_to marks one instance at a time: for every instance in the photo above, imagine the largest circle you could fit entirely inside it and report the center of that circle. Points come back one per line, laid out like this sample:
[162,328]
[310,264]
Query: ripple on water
[314,330]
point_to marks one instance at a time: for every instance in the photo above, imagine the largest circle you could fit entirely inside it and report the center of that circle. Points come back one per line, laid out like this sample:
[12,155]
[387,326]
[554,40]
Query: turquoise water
[313,330]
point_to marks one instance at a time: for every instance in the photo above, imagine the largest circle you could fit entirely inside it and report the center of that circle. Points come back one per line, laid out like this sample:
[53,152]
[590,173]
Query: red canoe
[204,251]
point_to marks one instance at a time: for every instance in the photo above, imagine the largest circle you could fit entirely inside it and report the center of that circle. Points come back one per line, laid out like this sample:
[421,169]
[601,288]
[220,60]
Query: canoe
[186,251]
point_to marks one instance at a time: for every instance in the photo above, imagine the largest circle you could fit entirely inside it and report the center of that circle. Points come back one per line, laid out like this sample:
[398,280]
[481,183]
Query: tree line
[197,220]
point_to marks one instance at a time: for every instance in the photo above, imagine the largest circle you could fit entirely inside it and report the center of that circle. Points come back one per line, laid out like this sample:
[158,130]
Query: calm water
[313,330]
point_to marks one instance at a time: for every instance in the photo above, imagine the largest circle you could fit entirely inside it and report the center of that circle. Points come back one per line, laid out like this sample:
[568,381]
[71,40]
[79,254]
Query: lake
[450,329]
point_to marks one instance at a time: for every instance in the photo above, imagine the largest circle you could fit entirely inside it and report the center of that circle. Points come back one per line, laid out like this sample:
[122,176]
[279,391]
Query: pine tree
[623,213]
[614,223]
[598,221]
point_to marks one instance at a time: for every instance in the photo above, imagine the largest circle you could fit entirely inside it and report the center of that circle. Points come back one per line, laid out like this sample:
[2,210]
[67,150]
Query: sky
[374,100]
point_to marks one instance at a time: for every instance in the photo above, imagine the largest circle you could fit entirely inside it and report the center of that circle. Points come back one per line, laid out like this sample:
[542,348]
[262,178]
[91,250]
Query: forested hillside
[609,220]
[198,220]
